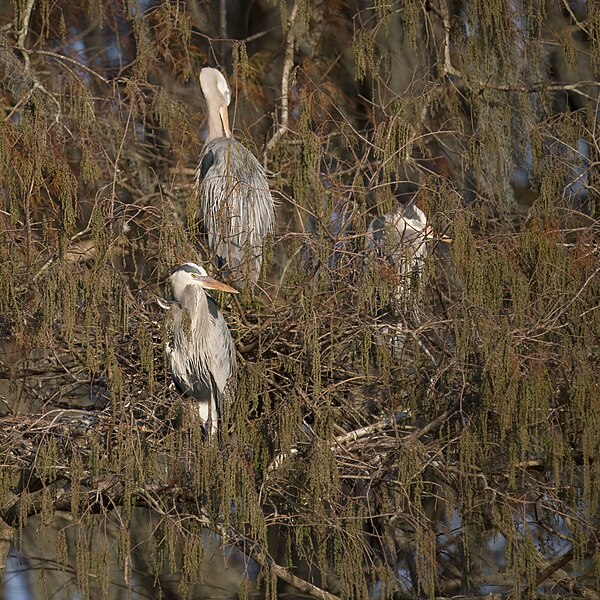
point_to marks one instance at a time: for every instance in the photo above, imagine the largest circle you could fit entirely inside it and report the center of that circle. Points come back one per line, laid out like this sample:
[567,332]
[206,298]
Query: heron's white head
[411,221]
[213,82]
[216,94]
[195,275]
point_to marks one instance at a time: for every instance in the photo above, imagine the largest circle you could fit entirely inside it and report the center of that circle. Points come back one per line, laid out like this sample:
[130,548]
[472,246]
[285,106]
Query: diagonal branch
[266,562]
[263,559]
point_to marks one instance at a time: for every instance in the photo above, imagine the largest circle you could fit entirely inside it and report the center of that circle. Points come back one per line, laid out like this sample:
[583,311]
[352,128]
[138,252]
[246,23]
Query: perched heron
[236,206]
[400,239]
[201,350]
[338,229]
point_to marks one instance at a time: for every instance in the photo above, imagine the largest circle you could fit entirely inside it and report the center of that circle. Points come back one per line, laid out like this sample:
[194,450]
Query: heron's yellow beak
[225,120]
[212,284]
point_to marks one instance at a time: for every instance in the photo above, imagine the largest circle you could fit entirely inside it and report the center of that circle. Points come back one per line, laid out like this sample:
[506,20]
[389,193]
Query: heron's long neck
[215,125]
[199,323]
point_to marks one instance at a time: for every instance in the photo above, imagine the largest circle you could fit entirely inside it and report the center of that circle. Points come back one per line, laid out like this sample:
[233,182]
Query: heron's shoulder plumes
[236,205]
[235,201]
[227,155]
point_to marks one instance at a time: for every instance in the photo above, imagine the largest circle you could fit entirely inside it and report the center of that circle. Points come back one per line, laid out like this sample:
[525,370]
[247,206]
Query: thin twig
[300,584]
[435,423]
[62,57]
[559,563]
[357,434]
[222,28]
[449,69]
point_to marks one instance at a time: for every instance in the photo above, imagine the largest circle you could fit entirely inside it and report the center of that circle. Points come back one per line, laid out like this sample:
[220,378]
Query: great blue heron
[236,206]
[337,229]
[400,240]
[201,350]
[341,228]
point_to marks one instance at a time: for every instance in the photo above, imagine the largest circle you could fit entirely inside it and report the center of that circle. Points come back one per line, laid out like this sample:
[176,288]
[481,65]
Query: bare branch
[288,63]
[284,574]
[574,17]
[24,30]
[63,58]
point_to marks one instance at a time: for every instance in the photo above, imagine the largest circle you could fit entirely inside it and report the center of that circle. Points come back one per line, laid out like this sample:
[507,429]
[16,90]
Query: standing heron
[236,206]
[400,240]
[201,350]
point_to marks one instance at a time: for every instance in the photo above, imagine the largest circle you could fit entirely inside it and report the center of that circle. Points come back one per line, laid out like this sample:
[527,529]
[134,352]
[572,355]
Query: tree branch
[282,573]
[24,30]
[288,63]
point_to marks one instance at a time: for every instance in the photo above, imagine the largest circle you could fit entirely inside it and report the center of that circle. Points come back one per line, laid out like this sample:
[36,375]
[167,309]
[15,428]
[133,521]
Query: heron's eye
[194,275]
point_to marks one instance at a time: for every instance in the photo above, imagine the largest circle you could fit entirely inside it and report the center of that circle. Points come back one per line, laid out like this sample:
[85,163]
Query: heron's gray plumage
[201,351]
[236,205]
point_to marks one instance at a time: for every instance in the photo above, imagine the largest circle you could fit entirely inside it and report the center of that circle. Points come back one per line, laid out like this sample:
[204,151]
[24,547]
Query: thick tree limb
[24,29]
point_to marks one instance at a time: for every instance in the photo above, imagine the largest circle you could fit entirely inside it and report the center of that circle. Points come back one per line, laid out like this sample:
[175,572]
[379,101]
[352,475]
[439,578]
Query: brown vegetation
[443,446]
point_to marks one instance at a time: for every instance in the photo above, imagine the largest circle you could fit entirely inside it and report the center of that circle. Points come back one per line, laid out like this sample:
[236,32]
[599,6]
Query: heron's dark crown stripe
[188,268]
[411,213]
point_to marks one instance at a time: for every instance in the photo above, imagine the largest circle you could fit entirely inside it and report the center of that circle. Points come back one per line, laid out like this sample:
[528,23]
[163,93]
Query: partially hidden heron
[201,350]
[236,205]
[400,239]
